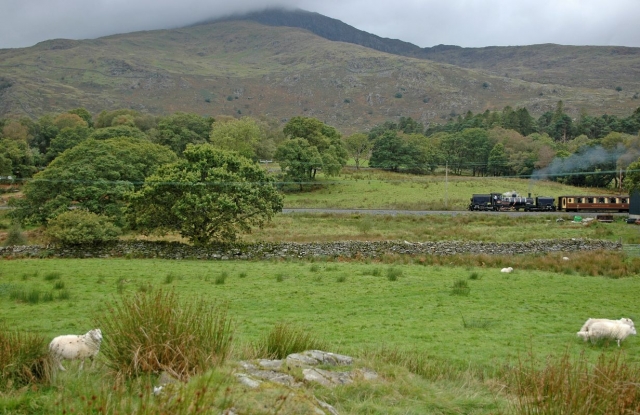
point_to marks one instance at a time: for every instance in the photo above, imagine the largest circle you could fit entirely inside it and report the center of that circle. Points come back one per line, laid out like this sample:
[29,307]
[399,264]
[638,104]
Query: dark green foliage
[391,152]
[66,139]
[79,227]
[285,339]
[312,145]
[179,129]
[209,196]
[23,359]
[151,333]
[118,131]
[94,175]
[16,158]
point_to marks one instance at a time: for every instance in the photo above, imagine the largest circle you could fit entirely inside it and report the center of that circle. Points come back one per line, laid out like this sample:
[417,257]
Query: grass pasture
[351,306]
[386,314]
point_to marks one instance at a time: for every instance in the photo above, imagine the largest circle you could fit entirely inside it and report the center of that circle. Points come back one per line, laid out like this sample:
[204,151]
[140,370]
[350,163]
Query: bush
[23,359]
[151,333]
[284,339]
[78,227]
[15,236]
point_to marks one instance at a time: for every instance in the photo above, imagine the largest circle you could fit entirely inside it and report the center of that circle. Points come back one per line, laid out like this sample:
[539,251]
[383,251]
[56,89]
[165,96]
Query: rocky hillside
[246,67]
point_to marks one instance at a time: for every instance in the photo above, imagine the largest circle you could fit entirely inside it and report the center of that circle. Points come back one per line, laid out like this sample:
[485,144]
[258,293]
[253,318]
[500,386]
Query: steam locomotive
[571,203]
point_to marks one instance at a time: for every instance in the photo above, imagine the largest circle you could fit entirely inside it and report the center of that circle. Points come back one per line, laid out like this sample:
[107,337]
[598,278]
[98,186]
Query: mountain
[577,66]
[282,64]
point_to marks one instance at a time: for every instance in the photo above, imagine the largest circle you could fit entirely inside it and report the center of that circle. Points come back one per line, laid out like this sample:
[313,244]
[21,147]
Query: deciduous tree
[210,195]
[94,175]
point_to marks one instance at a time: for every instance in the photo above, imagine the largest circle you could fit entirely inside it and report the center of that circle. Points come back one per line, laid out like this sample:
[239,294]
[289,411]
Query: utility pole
[446,185]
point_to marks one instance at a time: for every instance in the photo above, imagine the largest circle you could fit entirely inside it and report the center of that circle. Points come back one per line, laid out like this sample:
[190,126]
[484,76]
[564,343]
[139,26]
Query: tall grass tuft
[151,333]
[284,339]
[50,276]
[474,276]
[220,279]
[58,285]
[394,273]
[576,386]
[23,359]
[31,297]
[168,279]
[460,287]
[64,294]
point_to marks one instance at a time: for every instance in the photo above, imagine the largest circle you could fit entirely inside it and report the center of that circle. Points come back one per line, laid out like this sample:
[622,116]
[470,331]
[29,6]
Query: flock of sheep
[87,346]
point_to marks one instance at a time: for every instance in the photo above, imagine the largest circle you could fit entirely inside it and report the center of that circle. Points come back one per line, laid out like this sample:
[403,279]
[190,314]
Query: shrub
[23,359]
[15,236]
[365,225]
[151,333]
[284,339]
[78,227]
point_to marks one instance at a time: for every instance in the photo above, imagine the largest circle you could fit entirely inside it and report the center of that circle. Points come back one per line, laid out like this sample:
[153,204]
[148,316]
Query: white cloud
[469,23]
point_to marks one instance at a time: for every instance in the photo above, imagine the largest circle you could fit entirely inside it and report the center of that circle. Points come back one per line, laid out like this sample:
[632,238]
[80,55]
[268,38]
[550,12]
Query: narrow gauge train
[512,201]
[580,203]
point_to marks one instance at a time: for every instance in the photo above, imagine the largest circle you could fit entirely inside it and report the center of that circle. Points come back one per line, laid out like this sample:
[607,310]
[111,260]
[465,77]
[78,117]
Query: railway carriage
[596,203]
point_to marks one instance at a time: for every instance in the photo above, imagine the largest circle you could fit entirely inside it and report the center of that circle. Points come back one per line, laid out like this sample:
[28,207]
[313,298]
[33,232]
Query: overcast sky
[468,23]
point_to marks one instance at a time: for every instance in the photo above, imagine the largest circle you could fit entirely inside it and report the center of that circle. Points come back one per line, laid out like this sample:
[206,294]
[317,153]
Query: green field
[373,189]
[353,306]
[438,349]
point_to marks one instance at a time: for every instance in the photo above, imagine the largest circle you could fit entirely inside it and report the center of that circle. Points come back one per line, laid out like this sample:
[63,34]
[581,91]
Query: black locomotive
[512,201]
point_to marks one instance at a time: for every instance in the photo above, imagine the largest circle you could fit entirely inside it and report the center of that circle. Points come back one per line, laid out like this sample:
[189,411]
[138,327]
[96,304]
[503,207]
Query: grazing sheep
[613,329]
[589,322]
[507,270]
[74,346]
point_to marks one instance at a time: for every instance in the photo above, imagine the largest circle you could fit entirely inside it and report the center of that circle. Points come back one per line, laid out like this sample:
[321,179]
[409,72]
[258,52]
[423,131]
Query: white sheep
[614,329]
[74,346]
[507,270]
[589,322]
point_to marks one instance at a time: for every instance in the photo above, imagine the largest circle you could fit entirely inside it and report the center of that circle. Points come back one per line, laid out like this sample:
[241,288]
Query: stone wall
[263,250]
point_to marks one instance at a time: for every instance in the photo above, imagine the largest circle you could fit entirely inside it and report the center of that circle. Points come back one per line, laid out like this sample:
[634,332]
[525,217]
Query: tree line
[199,176]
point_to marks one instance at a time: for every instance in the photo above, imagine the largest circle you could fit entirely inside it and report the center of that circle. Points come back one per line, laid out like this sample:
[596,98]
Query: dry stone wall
[265,250]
